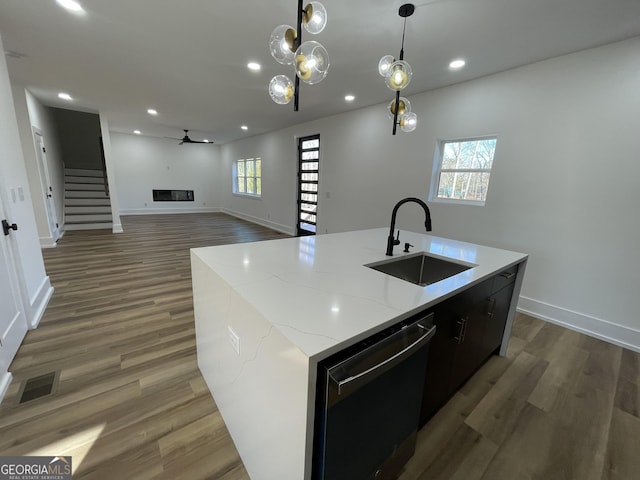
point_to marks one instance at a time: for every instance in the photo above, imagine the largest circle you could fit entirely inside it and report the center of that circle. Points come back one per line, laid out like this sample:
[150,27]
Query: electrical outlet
[234,339]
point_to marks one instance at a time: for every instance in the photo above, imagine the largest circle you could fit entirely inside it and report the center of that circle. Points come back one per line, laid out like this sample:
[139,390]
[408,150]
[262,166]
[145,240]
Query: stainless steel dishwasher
[368,403]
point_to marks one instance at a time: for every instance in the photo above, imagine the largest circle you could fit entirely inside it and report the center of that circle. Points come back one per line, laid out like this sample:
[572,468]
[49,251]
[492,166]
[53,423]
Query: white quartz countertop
[318,293]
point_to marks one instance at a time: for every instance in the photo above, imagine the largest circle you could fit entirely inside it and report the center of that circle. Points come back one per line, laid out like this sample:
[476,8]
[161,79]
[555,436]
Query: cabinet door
[497,313]
[438,374]
[469,324]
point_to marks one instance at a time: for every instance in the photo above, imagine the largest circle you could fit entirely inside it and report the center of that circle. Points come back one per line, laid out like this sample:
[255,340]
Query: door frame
[299,192]
[48,194]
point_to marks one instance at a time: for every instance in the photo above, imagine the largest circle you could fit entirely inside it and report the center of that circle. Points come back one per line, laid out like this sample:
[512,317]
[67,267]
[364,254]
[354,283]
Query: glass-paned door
[308,163]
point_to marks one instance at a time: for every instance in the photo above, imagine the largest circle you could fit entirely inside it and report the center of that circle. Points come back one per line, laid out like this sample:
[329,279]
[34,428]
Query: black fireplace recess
[173,195]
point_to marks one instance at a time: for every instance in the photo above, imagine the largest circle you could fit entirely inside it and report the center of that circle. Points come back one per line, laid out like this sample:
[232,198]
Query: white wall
[564,187]
[109,160]
[16,198]
[142,164]
[33,115]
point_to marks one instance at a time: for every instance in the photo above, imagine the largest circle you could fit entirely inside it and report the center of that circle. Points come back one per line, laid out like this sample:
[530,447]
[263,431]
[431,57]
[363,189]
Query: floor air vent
[38,387]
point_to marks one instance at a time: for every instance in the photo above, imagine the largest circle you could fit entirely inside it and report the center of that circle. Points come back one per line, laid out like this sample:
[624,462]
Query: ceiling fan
[187,139]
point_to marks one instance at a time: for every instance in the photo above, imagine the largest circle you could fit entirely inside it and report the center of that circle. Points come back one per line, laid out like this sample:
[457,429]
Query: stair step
[80,218]
[73,179]
[84,186]
[91,209]
[82,202]
[88,226]
[83,172]
[86,194]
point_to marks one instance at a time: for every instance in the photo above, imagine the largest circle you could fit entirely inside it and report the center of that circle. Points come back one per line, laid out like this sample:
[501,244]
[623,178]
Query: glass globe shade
[404,106]
[315,17]
[311,62]
[408,122]
[281,89]
[280,46]
[399,76]
[384,64]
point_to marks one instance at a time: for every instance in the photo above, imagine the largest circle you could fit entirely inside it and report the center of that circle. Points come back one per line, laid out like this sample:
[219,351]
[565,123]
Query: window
[462,170]
[308,180]
[247,177]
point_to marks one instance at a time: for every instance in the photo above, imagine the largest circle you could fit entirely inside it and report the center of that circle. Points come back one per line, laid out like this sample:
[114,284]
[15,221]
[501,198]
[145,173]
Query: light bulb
[281,89]
[408,122]
[281,44]
[311,62]
[404,106]
[384,64]
[315,17]
[400,75]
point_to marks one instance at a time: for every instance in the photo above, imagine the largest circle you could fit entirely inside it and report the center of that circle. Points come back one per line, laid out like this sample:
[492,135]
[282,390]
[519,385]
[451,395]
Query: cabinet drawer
[504,278]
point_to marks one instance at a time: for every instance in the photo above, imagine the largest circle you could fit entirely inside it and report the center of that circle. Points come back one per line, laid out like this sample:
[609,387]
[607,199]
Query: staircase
[87,205]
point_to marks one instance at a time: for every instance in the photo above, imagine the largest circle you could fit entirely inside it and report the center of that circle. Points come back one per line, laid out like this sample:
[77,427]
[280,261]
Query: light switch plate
[234,339]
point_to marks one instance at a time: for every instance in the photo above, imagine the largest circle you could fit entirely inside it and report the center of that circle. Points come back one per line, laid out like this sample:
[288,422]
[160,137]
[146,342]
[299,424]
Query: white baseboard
[259,221]
[47,242]
[620,335]
[39,303]
[5,381]
[166,211]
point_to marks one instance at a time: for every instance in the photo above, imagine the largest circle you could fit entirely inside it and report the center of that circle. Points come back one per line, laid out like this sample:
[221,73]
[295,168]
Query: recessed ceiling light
[206,140]
[254,66]
[152,111]
[459,63]
[349,98]
[244,127]
[71,5]
[64,96]
[137,132]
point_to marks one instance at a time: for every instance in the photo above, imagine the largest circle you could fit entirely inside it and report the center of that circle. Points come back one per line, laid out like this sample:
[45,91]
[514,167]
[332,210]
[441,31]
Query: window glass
[248,177]
[315,143]
[463,170]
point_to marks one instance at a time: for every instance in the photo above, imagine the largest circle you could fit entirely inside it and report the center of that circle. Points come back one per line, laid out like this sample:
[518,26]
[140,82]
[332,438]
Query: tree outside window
[247,177]
[464,169]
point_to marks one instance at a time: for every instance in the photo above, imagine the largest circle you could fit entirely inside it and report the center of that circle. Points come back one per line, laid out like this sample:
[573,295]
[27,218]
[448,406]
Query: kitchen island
[267,312]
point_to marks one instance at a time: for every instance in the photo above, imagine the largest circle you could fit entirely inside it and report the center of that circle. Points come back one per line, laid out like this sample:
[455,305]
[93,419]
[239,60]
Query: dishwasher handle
[352,382]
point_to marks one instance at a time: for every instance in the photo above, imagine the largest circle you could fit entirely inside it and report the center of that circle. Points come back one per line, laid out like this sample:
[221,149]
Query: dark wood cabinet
[469,329]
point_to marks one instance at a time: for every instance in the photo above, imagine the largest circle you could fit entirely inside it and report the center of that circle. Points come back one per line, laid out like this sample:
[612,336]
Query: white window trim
[234,179]
[437,170]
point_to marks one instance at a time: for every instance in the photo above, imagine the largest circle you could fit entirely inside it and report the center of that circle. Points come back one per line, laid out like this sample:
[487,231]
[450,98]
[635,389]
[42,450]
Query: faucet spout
[391,241]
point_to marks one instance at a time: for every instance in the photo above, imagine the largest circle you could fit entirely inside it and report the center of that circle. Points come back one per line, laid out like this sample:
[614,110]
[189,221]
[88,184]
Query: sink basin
[419,268]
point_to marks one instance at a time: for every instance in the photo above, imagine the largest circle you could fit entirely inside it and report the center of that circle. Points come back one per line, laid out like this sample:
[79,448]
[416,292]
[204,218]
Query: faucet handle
[396,241]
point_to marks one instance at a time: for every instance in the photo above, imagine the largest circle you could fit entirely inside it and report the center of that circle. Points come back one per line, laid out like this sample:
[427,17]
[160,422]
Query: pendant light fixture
[397,75]
[310,59]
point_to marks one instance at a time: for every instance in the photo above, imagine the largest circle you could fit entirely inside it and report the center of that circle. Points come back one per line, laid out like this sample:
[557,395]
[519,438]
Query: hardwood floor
[130,402]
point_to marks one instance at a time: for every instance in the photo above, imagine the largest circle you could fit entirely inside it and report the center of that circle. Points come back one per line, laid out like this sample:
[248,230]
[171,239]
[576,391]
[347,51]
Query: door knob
[7,228]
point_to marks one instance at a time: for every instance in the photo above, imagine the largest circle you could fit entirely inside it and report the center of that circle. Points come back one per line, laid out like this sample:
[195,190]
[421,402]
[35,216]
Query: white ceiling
[188,58]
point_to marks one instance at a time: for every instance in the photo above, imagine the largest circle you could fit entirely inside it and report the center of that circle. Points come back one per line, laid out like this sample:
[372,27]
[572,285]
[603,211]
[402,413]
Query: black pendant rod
[395,112]
[296,44]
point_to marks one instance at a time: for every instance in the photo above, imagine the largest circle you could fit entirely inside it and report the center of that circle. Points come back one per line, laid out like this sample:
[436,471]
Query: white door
[13,323]
[47,190]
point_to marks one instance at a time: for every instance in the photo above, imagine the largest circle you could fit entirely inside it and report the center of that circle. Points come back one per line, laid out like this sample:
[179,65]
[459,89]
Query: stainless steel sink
[419,268]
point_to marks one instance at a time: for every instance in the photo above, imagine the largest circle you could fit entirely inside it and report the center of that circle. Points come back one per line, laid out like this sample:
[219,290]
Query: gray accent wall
[79,138]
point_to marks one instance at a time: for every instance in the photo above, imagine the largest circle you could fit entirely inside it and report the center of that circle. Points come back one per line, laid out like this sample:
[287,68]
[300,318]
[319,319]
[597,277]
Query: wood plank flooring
[130,402]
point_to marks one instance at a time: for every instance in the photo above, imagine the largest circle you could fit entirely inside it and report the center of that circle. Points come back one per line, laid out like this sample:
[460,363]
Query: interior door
[308,178]
[13,323]
[45,178]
